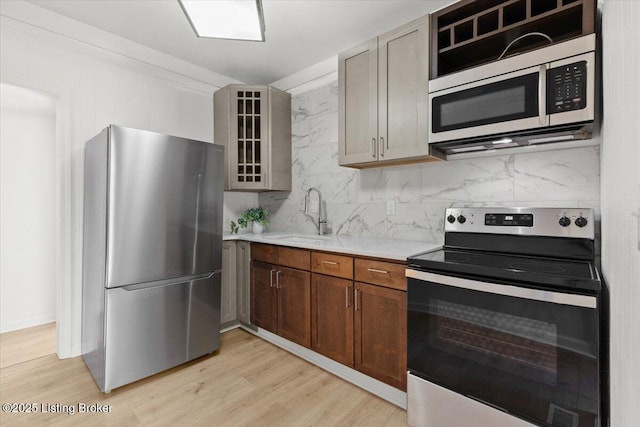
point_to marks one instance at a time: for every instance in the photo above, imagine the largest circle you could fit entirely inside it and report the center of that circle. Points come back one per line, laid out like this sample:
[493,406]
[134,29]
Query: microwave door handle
[543,117]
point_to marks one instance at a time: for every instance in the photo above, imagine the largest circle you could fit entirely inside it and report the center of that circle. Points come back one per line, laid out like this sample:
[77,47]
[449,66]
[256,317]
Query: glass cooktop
[574,274]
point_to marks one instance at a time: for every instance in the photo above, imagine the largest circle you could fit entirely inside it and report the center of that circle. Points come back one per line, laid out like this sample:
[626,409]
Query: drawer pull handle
[329,262]
[375,270]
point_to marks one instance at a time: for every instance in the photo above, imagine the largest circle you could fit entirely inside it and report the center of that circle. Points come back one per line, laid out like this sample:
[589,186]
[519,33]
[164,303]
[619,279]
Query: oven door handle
[508,290]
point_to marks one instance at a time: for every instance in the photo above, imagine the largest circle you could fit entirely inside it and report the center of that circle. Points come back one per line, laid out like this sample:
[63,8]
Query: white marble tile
[480,179]
[558,175]
[417,221]
[372,185]
[399,183]
[404,183]
[289,218]
[315,130]
[315,102]
[339,187]
[312,160]
[367,219]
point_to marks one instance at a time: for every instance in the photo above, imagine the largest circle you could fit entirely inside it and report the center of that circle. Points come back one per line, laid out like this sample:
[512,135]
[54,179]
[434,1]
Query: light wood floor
[248,382]
[27,344]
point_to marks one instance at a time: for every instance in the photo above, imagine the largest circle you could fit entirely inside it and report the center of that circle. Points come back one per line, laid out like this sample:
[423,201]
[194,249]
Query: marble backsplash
[356,201]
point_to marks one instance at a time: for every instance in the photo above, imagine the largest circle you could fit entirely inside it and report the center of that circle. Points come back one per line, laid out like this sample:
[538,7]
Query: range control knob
[462,219]
[451,219]
[581,221]
[564,221]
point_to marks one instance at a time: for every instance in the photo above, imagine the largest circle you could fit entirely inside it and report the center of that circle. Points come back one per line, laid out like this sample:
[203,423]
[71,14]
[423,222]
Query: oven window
[511,99]
[515,340]
[535,359]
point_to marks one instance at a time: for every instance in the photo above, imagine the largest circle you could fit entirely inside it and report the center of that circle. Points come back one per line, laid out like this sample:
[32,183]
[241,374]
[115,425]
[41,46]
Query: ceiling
[299,33]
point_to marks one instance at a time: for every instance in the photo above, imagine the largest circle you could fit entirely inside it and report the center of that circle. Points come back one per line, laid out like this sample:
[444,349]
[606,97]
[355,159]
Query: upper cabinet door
[249,131]
[254,123]
[358,104]
[165,207]
[403,96]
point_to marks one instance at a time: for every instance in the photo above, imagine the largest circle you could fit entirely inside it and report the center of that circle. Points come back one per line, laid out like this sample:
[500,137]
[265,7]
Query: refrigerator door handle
[166,282]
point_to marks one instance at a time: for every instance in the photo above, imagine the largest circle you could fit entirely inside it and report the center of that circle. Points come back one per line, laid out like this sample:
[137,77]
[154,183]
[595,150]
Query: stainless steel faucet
[321,221]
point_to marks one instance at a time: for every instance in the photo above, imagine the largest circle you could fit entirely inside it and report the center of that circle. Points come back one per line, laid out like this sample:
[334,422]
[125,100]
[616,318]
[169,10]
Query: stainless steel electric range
[507,323]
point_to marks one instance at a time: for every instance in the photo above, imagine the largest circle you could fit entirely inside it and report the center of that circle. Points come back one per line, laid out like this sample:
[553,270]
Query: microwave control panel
[567,88]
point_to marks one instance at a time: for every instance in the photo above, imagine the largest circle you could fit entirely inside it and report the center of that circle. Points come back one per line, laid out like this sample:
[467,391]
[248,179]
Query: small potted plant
[258,217]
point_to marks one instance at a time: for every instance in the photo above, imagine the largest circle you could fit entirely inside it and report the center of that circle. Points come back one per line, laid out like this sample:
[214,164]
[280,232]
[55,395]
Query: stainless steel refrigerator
[152,253]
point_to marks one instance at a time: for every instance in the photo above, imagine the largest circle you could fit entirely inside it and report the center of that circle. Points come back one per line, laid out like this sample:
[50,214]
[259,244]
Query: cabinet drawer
[332,264]
[294,258]
[264,253]
[381,273]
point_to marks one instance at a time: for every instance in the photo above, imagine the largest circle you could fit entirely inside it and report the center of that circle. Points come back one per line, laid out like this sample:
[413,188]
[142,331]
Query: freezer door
[165,207]
[153,328]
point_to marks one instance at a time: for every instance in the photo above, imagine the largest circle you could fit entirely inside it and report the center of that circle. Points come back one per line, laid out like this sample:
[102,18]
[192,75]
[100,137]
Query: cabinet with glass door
[254,124]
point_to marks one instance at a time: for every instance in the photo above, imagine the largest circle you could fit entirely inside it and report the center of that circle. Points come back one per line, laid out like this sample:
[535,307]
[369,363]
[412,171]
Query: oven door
[508,103]
[528,352]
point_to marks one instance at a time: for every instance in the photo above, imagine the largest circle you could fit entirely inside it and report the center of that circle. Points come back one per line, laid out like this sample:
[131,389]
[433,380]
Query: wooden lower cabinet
[264,303]
[294,305]
[281,301]
[381,333]
[332,317]
[361,325]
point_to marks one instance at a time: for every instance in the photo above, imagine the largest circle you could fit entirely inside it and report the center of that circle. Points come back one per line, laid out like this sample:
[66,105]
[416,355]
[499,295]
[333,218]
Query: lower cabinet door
[294,305]
[264,307]
[332,317]
[381,333]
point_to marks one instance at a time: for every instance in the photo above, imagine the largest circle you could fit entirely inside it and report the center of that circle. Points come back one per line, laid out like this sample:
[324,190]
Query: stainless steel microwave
[542,96]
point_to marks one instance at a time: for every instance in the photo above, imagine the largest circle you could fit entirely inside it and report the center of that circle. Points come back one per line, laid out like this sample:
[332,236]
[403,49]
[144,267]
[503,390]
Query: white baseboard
[380,389]
[229,326]
[27,323]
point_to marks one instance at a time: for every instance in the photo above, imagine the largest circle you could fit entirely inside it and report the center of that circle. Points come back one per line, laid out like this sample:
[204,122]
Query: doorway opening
[28,223]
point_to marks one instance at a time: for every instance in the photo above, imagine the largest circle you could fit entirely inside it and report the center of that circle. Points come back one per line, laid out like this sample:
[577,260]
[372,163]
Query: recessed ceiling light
[226,19]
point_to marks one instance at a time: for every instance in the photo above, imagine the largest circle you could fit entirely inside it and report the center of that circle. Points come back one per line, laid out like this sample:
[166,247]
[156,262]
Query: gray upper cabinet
[254,125]
[383,98]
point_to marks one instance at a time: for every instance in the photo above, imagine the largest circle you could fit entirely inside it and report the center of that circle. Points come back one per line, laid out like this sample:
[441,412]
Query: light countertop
[354,245]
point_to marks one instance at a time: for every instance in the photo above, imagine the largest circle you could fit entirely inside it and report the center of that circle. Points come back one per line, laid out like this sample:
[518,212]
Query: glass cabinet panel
[249,137]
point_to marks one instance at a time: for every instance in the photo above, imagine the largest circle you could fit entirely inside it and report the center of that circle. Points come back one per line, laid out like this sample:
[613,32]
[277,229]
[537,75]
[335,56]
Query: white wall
[621,202]
[27,208]
[96,82]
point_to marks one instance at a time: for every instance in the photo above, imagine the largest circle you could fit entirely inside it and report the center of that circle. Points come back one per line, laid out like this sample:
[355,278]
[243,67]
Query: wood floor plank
[248,382]
[27,344]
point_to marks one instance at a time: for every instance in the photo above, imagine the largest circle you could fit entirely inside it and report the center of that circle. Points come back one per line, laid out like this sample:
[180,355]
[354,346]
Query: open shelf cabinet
[473,32]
